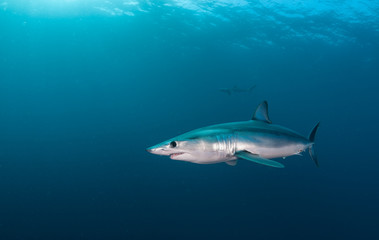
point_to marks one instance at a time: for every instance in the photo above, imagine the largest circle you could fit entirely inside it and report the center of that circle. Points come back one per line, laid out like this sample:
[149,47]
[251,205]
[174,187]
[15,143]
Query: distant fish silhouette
[236,89]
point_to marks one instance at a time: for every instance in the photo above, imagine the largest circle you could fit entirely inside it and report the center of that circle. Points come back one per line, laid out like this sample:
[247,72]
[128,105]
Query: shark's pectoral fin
[255,158]
[231,162]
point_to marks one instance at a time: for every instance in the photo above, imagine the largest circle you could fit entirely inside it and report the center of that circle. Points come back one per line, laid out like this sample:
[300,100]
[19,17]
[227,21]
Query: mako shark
[256,140]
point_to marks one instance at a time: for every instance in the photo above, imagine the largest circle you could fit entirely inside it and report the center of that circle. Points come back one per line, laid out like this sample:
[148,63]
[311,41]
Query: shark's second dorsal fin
[261,114]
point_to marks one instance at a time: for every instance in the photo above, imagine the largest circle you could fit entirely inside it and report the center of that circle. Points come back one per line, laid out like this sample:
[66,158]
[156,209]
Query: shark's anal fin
[255,158]
[231,162]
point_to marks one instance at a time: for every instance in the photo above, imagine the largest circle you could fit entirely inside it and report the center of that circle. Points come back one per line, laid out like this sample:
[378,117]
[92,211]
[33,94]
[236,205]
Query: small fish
[256,140]
[236,89]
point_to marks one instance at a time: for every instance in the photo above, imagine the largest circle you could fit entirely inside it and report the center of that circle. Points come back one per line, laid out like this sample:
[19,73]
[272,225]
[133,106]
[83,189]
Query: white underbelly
[277,152]
[212,161]
[205,157]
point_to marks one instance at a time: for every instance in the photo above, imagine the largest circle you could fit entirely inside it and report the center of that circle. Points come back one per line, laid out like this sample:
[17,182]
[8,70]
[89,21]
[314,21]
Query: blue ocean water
[86,86]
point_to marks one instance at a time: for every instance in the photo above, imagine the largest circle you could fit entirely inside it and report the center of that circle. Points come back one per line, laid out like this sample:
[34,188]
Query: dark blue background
[81,99]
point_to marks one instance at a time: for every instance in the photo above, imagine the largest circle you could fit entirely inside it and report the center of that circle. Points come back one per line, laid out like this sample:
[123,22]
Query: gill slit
[227,144]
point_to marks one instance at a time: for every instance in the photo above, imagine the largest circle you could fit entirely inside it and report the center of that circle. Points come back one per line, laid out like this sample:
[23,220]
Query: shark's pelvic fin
[255,158]
[261,114]
[231,162]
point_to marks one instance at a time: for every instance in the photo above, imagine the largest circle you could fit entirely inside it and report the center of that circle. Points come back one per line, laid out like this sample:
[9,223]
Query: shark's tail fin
[312,136]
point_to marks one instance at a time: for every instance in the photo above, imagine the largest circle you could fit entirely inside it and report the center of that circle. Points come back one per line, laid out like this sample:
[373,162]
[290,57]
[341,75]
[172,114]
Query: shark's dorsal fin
[261,114]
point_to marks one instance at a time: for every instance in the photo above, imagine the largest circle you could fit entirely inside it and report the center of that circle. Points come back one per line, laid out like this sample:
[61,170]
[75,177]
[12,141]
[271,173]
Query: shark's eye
[173,144]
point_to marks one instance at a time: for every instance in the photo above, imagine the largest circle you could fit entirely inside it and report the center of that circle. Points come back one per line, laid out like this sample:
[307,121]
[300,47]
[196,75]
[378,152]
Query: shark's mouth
[172,156]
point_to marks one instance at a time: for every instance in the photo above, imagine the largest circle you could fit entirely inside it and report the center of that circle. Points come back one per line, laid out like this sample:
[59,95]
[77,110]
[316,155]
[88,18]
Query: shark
[257,140]
[236,89]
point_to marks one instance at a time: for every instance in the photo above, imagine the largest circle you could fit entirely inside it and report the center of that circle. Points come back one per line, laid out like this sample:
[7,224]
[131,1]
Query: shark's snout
[149,150]
[153,149]
[158,149]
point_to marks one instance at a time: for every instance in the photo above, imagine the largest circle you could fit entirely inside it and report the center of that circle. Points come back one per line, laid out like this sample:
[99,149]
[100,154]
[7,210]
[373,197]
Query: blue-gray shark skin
[256,140]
